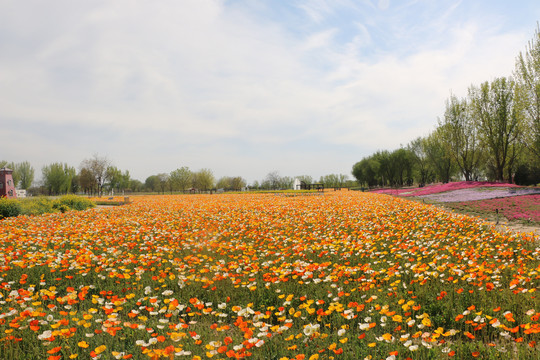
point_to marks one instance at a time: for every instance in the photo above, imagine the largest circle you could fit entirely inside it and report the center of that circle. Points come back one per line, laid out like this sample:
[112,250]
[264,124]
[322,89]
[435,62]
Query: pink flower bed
[438,188]
[526,207]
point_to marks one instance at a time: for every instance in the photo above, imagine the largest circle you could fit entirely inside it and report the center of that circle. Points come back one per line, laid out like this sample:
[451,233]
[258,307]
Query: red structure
[7,187]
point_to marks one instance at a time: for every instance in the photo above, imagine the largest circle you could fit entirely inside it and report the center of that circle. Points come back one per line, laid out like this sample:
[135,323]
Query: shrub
[73,202]
[36,206]
[9,207]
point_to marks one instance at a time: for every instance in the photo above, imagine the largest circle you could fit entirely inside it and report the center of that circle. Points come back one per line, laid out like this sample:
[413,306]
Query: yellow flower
[372,344]
[100,349]
[83,344]
[314,357]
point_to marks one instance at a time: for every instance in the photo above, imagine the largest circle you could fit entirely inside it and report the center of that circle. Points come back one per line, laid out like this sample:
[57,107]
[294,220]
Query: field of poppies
[344,275]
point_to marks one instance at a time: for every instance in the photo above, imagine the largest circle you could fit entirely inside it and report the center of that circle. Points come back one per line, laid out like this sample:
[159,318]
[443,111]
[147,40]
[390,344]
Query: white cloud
[196,82]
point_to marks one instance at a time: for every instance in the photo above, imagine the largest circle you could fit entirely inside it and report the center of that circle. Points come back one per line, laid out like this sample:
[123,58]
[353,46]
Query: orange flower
[54,350]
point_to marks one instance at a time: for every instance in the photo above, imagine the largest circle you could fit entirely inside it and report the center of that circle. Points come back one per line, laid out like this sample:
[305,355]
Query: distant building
[297,184]
[21,193]
[7,186]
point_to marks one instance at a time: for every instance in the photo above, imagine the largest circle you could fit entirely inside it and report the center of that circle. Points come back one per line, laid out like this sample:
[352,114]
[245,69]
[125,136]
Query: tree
[87,181]
[498,123]
[181,178]
[306,179]
[224,183]
[98,168]
[163,181]
[151,183]
[125,180]
[439,159]
[527,92]
[342,179]
[238,183]
[286,182]
[330,180]
[366,171]
[459,134]
[135,185]
[203,179]
[272,180]
[114,177]
[255,185]
[25,173]
[57,178]
[421,160]
[387,171]
[15,174]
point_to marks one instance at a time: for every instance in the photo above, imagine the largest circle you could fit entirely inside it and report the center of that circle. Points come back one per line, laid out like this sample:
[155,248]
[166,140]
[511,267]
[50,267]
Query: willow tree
[459,135]
[498,124]
[527,76]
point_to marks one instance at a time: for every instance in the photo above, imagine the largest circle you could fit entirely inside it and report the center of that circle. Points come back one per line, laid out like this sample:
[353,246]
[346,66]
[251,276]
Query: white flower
[46,334]
[407,343]
[310,329]
[341,332]
[364,326]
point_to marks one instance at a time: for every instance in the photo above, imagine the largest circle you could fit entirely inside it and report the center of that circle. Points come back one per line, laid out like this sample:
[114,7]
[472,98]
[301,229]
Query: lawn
[344,275]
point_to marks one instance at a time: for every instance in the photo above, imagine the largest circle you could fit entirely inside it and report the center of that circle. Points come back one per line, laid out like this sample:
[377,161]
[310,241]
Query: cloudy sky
[241,87]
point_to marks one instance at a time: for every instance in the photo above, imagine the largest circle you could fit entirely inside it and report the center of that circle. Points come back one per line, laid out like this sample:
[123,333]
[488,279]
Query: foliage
[57,178]
[42,205]
[527,75]
[230,183]
[203,180]
[498,123]
[459,134]
[37,206]
[26,173]
[181,178]
[97,167]
[74,202]
[527,174]
[9,207]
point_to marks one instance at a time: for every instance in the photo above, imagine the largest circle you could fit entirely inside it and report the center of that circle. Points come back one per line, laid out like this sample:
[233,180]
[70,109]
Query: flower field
[345,275]
[526,207]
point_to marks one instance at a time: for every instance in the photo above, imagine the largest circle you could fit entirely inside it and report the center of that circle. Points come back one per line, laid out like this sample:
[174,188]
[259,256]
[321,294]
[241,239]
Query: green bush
[73,202]
[36,206]
[9,207]
[42,205]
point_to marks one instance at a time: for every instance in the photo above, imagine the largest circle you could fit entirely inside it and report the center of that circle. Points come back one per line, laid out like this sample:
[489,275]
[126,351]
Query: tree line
[493,133]
[97,176]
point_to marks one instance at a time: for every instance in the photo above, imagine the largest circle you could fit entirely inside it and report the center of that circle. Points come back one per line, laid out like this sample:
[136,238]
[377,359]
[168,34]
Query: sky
[241,87]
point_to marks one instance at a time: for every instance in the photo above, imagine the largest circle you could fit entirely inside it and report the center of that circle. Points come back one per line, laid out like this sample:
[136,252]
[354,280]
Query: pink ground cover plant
[526,207]
[438,188]
[479,193]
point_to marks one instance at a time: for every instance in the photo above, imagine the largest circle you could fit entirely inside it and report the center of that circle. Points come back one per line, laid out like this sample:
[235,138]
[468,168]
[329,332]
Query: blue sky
[241,87]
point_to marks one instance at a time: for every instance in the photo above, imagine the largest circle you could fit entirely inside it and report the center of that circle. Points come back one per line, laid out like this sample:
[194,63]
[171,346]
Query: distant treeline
[97,176]
[493,133]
